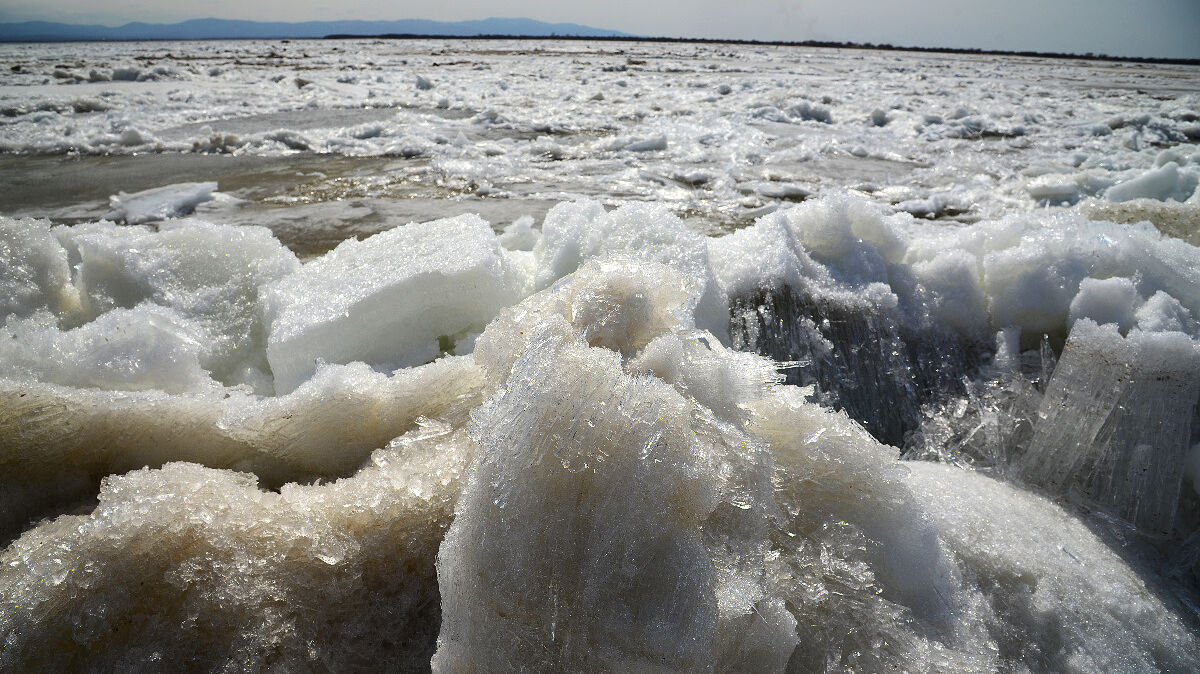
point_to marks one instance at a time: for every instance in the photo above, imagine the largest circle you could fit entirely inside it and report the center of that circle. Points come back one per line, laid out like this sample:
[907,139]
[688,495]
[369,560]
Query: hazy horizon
[1164,28]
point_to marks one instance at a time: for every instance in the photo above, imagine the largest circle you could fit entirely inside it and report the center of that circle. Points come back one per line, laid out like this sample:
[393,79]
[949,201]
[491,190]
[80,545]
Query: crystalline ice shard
[1116,422]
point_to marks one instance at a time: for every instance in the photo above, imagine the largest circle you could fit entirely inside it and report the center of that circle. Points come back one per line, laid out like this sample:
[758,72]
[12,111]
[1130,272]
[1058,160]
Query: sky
[1166,28]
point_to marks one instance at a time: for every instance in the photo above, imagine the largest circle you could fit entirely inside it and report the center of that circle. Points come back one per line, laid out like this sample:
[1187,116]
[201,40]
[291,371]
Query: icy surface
[34,270]
[624,357]
[600,486]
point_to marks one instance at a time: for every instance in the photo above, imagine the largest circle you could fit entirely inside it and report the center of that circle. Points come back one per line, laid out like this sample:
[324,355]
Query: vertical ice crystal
[822,288]
[1116,422]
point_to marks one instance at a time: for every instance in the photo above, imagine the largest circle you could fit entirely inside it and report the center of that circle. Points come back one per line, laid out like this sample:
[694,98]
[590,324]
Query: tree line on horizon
[827,44]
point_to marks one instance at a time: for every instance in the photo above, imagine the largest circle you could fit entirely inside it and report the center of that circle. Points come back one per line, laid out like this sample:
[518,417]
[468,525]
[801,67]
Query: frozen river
[488,355]
[719,134]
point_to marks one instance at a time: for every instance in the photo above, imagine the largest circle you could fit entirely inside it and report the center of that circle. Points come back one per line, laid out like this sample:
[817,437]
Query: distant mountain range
[215,29]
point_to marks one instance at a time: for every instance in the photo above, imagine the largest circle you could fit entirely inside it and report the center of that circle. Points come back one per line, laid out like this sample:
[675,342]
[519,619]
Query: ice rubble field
[843,437]
[720,133]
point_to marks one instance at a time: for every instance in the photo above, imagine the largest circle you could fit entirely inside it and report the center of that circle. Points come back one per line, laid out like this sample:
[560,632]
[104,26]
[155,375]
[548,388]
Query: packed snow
[473,356]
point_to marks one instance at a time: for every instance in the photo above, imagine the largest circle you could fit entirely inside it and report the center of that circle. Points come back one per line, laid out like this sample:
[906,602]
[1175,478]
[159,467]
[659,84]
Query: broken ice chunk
[1161,183]
[208,274]
[520,235]
[653,144]
[386,300]
[159,203]
[146,347]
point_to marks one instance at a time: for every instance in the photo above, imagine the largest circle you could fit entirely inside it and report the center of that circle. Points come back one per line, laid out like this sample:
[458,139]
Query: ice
[147,347]
[721,380]
[60,441]
[1116,422]
[600,483]
[935,206]
[128,74]
[209,275]
[1192,470]
[1058,190]
[192,568]
[818,299]
[1069,602]
[290,139]
[845,504]
[1161,183]
[885,314]
[612,521]
[187,297]
[1169,217]
[777,190]
[598,531]
[648,145]
[577,231]
[34,270]
[1163,313]
[542,504]
[761,257]
[1112,300]
[1032,269]
[823,120]
[651,412]
[807,111]
[520,234]
[387,300]
[159,203]
[953,295]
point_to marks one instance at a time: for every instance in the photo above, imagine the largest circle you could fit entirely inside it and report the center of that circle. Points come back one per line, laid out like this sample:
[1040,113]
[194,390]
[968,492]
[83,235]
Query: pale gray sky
[1121,27]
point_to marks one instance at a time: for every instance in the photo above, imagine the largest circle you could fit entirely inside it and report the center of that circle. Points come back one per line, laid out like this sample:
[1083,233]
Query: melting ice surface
[844,434]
